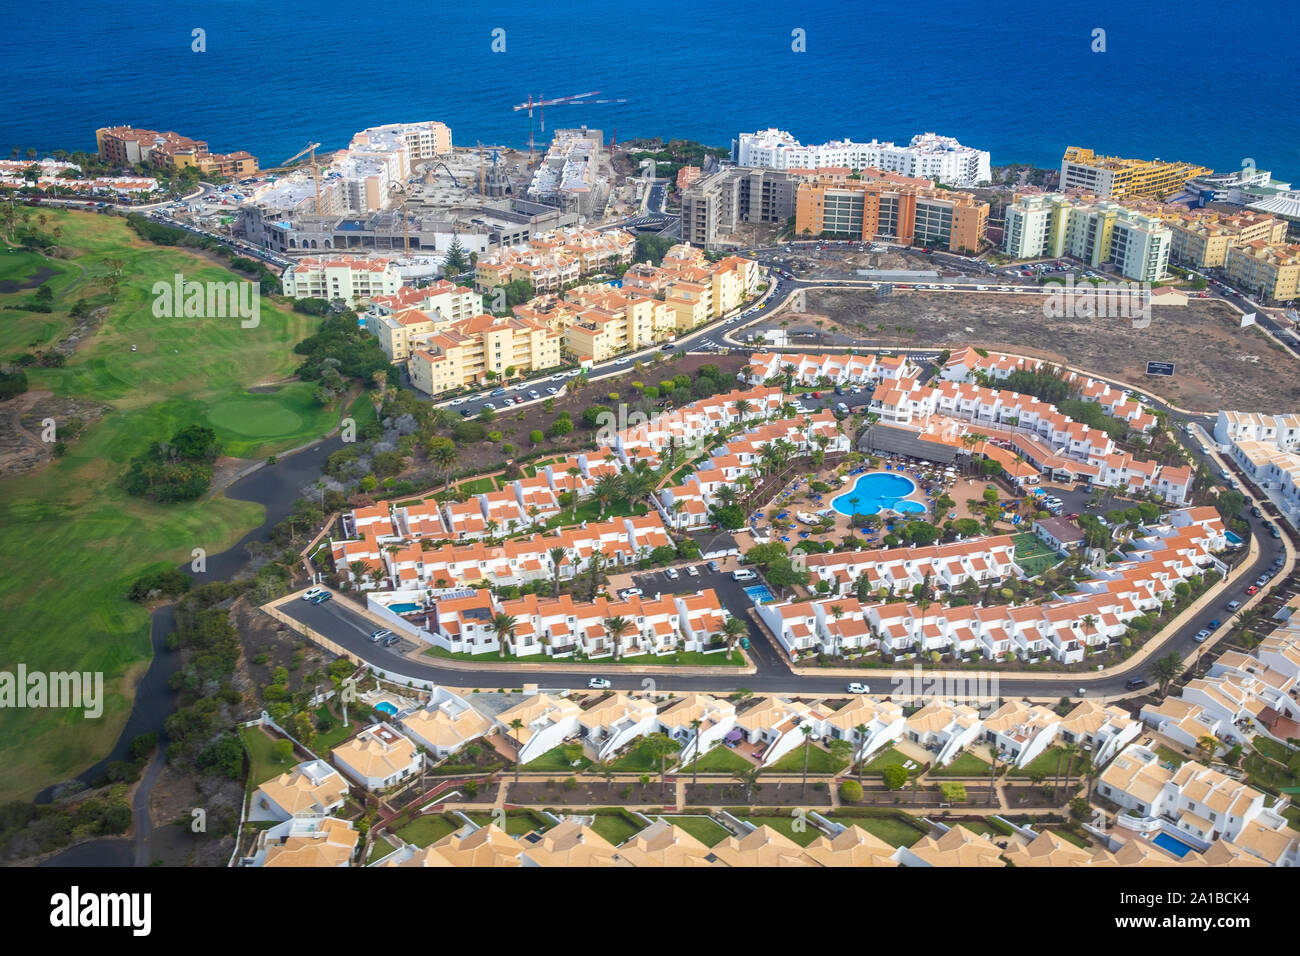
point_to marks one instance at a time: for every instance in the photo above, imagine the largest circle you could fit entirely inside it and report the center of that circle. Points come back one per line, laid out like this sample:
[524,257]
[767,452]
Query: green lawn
[722,760]
[428,829]
[262,762]
[1168,755]
[979,826]
[554,761]
[1046,764]
[589,511]
[617,828]
[705,829]
[639,759]
[819,761]
[323,743]
[379,848]
[1032,555]
[477,486]
[893,830]
[71,522]
[888,757]
[518,822]
[966,765]
[785,826]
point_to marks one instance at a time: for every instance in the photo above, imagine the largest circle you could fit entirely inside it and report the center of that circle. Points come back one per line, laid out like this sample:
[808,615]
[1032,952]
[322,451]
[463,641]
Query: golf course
[71,540]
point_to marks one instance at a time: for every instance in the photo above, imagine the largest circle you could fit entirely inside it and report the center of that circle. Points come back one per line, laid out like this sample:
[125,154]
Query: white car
[558,378]
[856,688]
[532,393]
[489,405]
[671,573]
[693,571]
[457,401]
[599,683]
[311,592]
[743,574]
[629,592]
[550,391]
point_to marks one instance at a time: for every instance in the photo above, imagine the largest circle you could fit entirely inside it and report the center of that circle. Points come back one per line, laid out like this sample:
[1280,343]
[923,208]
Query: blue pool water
[1177,847]
[1232,538]
[384,707]
[876,490]
[760,593]
[403,608]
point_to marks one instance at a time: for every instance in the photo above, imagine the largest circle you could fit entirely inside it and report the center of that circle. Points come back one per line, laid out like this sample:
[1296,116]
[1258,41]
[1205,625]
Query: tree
[696,724]
[895,776]
[617,627]
[806,730]
[503,626]
[748,779]
[661,745]
[283,750]
[442,454]
[557,560]
[733,628]
[516,725]
[851,791]
[1166,670]
[455,260]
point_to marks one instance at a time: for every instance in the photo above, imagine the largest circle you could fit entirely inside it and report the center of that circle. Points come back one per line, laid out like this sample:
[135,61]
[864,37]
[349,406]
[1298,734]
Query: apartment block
[1202,238]
[552,260]
[352,281]
[462,354]
[404,320]
[714,205]
[1268,269]
[127,146]
[1111,177]
[891,210]
[1050,224]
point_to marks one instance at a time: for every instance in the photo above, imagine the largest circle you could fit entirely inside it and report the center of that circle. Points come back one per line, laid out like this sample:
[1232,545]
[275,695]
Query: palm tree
[359,570]
[733,628]
[696,724]
[605,490]
[503,625]
[1208,745]
[661,745]
[861,730]
[727,495]
[993,769]
[1089,624]
[749,780]
[557,560]
[743,406]
[806,730]
[516,725]
[617,627]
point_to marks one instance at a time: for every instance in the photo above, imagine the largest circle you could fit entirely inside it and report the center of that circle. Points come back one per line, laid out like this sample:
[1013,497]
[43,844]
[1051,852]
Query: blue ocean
[1204,82]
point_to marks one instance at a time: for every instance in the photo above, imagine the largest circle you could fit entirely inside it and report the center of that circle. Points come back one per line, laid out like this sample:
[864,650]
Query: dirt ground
[1218,365]
[21,427]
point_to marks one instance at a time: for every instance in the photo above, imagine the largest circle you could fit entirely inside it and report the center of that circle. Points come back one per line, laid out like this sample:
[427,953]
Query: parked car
[1202,634]
[856,688]
[392,639]
[379,635]
[322,597]
[692,570]
[743,574]
[672,574]
[311,592]
[1133,683]
[532,393]
[1253,589]
[629,592]
[599,683]
[1214,625]
[714,566]
[1233,605]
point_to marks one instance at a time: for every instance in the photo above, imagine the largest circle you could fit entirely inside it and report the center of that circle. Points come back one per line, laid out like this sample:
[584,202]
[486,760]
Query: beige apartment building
[483,349]
[1113,177]
[128,146]
[891,208]
[551,261]
[1202,239]
[1269,269]
[401,321]
[611,321]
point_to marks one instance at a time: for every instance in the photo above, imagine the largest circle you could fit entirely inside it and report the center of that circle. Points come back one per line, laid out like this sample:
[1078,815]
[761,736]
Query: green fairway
[71,541]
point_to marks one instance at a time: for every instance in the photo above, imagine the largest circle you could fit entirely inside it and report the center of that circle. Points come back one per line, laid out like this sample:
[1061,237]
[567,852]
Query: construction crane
[315,169]
[540,104]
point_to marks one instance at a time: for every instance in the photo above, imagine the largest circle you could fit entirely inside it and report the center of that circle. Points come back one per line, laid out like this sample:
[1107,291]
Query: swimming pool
[384,707]
[403,608]
[876,490]
[1177,847]
[1232,538]
[759,593]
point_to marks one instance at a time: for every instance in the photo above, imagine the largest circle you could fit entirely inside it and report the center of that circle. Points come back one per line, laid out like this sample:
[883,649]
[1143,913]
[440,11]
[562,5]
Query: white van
[743,574]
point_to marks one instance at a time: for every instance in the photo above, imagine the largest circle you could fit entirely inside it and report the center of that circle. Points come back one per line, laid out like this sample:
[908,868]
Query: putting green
[254,416]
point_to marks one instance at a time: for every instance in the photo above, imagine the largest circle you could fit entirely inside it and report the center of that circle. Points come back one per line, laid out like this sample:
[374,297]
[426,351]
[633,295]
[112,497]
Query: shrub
[851,791]
[536,436]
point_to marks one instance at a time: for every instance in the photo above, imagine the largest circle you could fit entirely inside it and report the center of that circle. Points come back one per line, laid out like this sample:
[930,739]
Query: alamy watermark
[76,690]
[182,298]
[1100,300]
[945,688]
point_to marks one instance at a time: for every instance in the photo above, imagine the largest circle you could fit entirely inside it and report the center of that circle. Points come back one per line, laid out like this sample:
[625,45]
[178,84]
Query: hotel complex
[1111,177]
[127,146]
[1051,225]
[930,157]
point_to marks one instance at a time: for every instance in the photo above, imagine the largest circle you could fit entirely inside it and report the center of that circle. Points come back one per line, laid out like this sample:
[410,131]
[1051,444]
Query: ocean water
[1204,82]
